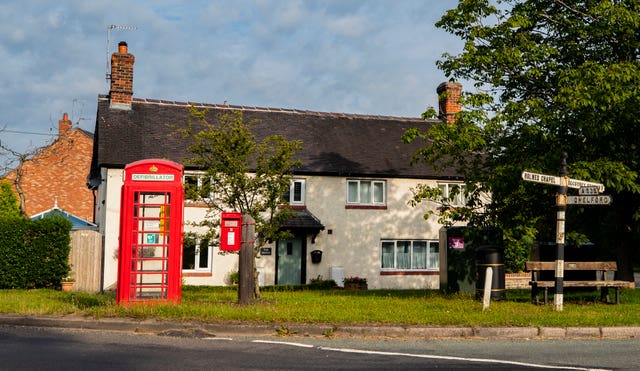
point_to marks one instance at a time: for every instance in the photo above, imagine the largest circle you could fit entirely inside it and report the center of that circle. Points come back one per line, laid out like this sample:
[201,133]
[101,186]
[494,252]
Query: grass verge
[295,305]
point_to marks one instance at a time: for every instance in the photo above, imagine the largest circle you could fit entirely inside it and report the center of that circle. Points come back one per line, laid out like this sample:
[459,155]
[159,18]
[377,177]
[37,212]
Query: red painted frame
[151,233]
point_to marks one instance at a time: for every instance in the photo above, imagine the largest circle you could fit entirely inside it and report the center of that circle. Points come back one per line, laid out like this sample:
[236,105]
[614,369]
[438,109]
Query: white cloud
[375,57]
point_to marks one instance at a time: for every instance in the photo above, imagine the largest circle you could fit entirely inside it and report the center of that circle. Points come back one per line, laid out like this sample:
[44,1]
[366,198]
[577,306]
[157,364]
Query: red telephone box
[151,226]
[230,231]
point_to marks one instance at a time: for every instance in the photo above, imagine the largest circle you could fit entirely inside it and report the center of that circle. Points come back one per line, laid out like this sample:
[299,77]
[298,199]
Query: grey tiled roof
[334,144]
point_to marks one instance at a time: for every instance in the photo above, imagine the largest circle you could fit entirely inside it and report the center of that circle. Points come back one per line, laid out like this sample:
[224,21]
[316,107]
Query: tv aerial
[109,28]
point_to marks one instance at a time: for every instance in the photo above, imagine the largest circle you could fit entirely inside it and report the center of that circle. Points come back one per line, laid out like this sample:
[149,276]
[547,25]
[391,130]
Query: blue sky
[368,57]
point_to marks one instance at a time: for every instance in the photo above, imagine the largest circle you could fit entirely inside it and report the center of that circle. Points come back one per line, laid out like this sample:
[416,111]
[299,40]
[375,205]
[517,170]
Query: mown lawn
[298,305]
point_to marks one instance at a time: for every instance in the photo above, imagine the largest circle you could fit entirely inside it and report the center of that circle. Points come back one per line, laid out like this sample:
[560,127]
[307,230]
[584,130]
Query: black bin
[316,256]
[490,256]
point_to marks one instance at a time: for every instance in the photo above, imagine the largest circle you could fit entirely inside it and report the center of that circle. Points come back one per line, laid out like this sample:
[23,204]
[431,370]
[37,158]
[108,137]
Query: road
[37,348]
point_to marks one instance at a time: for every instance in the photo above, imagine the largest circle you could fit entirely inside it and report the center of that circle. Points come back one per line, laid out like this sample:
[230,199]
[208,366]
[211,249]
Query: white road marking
[451,358]
[283,343]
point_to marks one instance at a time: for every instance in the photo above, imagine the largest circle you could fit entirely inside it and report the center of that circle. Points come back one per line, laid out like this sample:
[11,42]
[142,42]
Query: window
[296,193]
[196,254]
[366,192]
[454,193]
[410,255]
[197,188]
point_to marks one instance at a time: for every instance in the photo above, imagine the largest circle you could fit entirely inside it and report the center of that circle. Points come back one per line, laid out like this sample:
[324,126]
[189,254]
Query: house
[351,193]
[56,175]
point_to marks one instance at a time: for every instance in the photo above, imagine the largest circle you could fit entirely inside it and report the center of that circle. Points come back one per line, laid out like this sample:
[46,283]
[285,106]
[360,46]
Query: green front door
[289,261]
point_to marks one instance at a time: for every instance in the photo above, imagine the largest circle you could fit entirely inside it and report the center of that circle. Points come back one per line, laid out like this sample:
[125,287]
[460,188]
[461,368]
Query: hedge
[34,253]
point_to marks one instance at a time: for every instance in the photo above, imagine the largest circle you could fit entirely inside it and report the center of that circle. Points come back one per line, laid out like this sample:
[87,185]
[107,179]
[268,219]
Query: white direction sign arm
[574,183]
[556,180]
[541,178]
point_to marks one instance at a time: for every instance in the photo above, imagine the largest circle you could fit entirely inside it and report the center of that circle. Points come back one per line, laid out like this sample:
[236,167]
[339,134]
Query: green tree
[244,175]
[550,76]
[9,206]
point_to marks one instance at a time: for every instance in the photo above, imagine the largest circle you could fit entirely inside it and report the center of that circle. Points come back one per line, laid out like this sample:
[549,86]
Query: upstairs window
[454,194]
[296,193]
[366,192]
[197,188]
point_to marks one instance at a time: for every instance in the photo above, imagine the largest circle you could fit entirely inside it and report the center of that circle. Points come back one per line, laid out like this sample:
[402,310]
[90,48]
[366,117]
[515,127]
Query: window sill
[366,207]
[409,273]
[196,274]
[194,204]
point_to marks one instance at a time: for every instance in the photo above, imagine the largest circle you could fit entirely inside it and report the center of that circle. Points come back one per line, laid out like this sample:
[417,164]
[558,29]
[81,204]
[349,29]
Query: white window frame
[196,268]
[430,256]
[460,199]
[200,177]
[372,184]
[291,195]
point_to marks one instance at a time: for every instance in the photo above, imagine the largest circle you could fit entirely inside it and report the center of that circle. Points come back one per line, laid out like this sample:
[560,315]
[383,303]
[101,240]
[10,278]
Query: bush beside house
[34,253]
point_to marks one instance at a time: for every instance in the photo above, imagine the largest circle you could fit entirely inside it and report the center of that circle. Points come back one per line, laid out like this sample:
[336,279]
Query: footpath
[197,329]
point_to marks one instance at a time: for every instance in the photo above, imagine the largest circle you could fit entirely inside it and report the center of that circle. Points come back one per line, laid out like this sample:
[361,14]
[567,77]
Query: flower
[356,280]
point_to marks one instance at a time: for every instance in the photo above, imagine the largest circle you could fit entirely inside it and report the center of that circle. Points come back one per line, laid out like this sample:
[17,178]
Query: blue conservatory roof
[76,222]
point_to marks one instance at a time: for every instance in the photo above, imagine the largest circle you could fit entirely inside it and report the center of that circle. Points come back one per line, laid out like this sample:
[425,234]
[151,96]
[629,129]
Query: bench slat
[573,266]
[582,283]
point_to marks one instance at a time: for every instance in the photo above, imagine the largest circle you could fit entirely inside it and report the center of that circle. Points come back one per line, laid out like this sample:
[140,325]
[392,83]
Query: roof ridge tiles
[295,111]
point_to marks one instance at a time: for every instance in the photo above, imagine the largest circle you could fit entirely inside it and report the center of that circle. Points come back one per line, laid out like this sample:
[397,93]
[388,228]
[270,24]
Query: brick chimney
[448,96]
[121,89]
[64,125]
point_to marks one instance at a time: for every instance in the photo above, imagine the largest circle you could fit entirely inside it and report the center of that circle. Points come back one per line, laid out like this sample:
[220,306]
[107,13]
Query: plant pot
[67,286]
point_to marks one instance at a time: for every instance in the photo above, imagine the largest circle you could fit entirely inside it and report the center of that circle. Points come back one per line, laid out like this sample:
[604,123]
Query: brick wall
[58,174]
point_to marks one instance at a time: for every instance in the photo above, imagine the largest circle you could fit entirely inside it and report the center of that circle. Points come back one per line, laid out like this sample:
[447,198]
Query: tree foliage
[549,76]
[245,175]
[9,205]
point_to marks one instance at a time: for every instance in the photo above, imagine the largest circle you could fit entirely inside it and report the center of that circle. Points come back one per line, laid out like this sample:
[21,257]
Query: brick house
[56,176]
[351,191]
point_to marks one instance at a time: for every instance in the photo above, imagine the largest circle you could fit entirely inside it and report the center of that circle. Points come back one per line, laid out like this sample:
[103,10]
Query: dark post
[246,261]
[561,202]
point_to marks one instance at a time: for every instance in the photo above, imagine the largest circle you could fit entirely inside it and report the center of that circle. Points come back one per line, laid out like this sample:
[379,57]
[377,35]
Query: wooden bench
[600,281]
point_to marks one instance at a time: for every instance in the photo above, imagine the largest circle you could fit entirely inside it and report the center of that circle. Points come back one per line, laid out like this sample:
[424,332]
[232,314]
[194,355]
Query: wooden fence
[86,260]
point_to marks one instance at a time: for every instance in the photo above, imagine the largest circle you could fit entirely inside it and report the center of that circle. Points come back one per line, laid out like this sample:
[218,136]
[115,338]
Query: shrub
[34,254]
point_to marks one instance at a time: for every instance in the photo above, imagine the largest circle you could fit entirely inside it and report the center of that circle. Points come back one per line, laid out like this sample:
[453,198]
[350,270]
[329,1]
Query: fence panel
[86,260]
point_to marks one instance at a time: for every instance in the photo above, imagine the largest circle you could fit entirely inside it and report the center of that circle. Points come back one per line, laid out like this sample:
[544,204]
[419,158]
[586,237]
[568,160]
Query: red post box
[230,231]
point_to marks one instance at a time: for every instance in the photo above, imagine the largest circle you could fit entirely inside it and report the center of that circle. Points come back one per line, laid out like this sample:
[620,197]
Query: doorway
[290,261]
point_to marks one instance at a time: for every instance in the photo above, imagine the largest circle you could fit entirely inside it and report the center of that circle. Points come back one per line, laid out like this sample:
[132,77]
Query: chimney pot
[123,48]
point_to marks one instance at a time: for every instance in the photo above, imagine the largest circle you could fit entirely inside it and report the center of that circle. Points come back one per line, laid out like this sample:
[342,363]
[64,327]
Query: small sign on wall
[265,251]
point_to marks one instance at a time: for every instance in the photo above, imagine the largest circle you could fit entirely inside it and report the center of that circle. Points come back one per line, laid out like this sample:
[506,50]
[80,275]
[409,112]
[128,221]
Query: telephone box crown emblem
[153,169]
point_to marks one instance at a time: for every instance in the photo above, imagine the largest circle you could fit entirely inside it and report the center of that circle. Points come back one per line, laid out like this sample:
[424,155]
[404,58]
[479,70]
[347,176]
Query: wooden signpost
[589,194]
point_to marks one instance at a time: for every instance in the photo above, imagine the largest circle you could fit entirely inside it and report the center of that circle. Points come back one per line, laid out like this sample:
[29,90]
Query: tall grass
[384,307]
